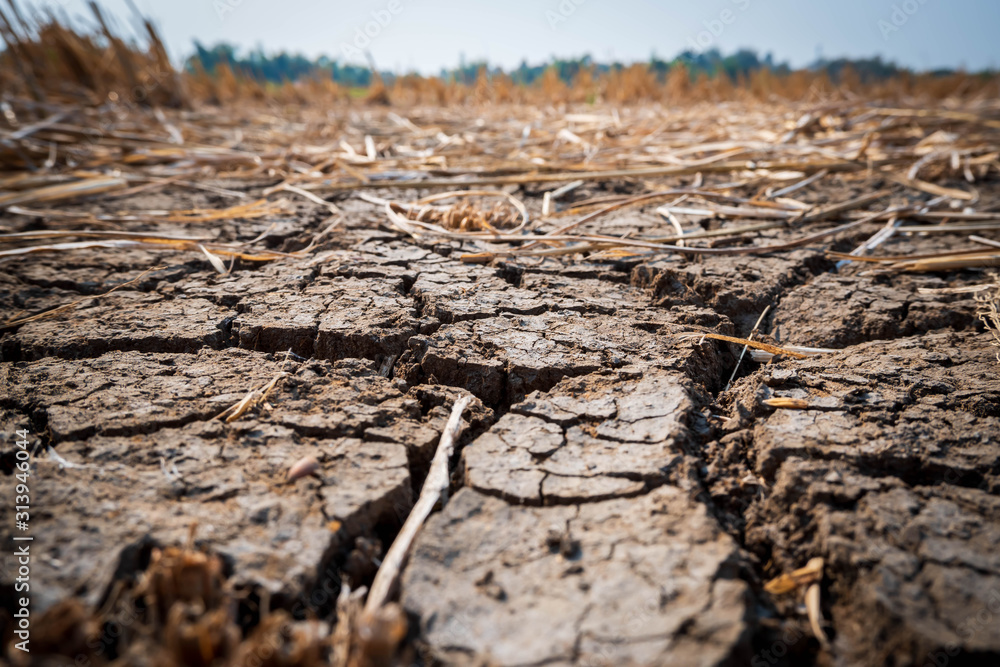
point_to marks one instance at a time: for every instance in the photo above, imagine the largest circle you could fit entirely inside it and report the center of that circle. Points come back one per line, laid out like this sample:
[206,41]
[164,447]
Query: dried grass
[48,61]
[766,347]
[765,145]
[255,397]
[52,312]
[988,310]
[797,580]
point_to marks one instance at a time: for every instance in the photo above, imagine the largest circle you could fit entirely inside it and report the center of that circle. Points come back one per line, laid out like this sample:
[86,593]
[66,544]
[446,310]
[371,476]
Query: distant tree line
[277,68]
[283,66]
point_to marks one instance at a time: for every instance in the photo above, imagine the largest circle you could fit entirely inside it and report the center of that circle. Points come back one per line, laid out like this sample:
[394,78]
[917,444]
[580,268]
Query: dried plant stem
[760,319]
[151,243]
[773,349]
[786,403]
[82,188]
[949,263]
[815,613]
[950,229]
[435,488]
[19,237]
[989,310]
[629,243]
[877,239]
[523,179]
[73,304]
[989,242]
[939,113]
[843,207]
[809,180]
[254,397]
[901,258]
[330,206]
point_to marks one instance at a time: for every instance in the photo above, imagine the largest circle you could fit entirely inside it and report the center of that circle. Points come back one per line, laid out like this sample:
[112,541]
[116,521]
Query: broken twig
[435,488]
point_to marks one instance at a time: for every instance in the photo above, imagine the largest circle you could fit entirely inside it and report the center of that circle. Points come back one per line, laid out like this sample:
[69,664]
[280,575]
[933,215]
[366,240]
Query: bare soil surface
[611,503]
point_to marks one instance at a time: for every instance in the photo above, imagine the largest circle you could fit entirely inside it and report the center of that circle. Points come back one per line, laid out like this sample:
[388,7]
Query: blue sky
[428,34]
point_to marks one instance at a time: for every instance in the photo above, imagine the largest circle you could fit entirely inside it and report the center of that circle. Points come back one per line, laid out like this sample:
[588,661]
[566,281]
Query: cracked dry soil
[611,504]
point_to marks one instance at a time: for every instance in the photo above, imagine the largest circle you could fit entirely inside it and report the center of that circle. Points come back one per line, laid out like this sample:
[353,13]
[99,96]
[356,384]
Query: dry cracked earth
[611,503]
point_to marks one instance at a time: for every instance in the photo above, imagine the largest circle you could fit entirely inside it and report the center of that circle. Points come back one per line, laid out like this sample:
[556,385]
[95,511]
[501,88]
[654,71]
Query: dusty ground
[611,504]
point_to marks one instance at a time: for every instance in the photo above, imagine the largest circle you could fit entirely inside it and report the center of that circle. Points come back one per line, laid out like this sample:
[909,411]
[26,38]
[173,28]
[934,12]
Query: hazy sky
[428,34]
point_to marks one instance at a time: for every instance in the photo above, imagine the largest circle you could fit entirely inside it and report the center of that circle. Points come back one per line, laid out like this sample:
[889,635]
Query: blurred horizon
[432,35]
